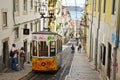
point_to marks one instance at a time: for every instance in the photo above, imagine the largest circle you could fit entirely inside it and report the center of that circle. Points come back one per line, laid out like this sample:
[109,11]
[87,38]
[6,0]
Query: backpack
[72,48]
[80,46]
[22,54]
[11,54]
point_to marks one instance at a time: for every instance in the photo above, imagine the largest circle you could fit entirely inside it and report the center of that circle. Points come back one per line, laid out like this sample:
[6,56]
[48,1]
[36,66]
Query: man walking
[79,47]
[14,58]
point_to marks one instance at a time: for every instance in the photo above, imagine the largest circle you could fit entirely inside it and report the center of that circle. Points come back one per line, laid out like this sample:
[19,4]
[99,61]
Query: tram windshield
[42,48]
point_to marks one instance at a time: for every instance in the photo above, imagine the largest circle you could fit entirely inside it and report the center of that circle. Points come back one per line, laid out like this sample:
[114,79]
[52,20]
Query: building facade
[19,19]
[103,37]
[66,24]
[17,16]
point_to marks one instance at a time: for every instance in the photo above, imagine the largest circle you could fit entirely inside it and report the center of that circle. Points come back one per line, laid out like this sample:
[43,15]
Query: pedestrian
[79,47]
[77,43]
[14,56]
[72,49]
[22,58]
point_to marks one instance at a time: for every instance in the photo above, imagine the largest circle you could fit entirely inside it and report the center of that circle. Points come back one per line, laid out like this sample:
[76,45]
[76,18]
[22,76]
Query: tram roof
[46,32]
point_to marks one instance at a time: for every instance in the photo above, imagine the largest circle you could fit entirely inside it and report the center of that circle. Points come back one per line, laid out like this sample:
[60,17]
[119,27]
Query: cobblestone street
[81,69]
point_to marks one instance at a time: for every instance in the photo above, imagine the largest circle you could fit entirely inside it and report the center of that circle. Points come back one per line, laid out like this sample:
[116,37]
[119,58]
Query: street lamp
[42,10]
[51,15]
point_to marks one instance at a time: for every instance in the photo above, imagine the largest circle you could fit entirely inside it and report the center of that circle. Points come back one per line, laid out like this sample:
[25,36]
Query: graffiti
[110,68]
[116,65]
[113,65]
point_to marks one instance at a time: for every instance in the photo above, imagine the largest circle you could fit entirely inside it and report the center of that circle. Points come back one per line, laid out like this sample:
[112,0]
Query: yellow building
[55,6]
[103,20]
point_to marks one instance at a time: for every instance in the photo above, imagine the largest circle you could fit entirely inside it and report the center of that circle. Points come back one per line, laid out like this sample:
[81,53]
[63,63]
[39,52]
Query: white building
[15,16]
[66,24]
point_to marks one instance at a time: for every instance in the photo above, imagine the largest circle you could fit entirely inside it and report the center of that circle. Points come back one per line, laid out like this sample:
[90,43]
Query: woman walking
[22,58]
[72,49]
[79,47]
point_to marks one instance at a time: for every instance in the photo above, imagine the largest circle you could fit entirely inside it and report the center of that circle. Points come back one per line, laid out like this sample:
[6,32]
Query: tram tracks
[61,73]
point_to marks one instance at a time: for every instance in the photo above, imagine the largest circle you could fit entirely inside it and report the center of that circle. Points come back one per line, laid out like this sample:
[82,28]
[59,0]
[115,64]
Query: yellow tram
[46,51]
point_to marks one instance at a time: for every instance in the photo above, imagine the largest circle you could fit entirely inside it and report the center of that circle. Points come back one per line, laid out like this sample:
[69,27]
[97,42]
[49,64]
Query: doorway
[31,51]
[102,56]
[25,48]
[5,59]
[109,59]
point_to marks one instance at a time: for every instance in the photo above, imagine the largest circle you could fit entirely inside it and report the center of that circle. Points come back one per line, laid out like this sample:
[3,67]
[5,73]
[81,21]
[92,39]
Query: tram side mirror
[26,31]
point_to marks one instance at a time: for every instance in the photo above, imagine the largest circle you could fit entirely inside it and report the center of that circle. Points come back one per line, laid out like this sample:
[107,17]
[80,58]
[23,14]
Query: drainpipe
[96,50]
[116,44]
[13,12]
[90,49]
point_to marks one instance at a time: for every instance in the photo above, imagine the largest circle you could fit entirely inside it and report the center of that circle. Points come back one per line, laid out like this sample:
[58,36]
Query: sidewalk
[81,69]
[15,75]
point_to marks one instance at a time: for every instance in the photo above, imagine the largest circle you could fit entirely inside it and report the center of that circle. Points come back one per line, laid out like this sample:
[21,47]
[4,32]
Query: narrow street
[37,35]
[74,67]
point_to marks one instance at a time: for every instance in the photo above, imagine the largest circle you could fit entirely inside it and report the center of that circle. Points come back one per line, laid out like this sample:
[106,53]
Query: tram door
[52,48]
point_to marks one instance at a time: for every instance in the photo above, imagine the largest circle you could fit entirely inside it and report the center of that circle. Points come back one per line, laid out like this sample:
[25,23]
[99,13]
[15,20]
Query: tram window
[57,45]
[34,48]
[60,44]
[43,48]
[52,48]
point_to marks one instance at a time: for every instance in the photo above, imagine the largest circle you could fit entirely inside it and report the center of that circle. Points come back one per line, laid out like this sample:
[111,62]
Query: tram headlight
[43,64]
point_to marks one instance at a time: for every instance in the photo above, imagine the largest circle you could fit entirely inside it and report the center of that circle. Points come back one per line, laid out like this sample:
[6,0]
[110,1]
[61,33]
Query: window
[103,54]
[113,7]
[98,5]
[104,6]
[31,26]
[35,26]
[35,6]
[16,6]
[39,26]
[25,5]
[4,19]
[94,5]
[25,26]
[43,48]
[52,48]
[31,5]
[16,32]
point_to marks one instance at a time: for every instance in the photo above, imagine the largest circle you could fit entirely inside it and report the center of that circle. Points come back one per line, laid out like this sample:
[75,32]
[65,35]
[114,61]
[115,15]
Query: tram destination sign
[43,37]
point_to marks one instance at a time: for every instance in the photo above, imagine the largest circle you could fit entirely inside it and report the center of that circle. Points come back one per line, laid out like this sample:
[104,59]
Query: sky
[72,2]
